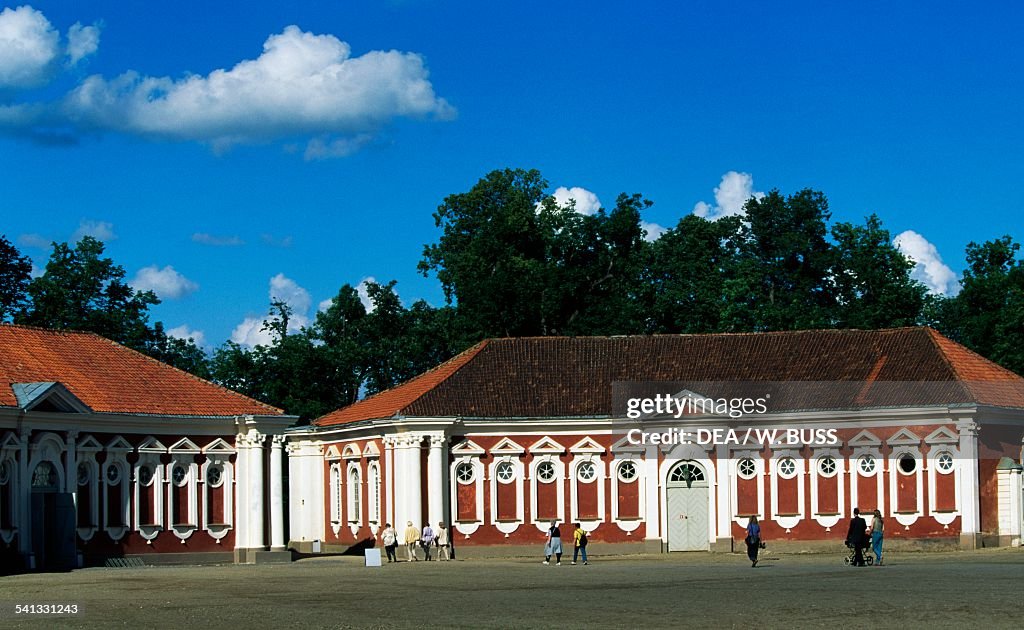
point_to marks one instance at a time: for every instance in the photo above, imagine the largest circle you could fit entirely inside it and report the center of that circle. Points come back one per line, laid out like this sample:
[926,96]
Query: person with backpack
[579,544]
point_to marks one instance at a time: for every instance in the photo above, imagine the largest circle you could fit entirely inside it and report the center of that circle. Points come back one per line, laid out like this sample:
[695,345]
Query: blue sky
[259,147]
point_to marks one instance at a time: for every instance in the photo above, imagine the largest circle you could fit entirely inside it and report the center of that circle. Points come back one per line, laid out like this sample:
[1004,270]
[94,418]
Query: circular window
[627,471]
[907,464]
[214,475]
[5,471]
[113,474]
[787,467]
[827,466]
[145,475]
[866,465]
[464,472]
[945,462]
[178,474]
[747,468]
[546,471]
[586,471]
[84,474]
[505,472]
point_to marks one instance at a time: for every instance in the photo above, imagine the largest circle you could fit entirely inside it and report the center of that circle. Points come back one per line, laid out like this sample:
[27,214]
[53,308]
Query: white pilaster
[408,479]
[24,498]
[276,494]
[71,463]
[249,492]
[725,468]
[389,480]
[970,515]
[652,481]
[436,486]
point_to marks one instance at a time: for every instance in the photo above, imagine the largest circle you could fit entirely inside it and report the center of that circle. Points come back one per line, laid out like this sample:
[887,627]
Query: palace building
[105,452]
[514,433]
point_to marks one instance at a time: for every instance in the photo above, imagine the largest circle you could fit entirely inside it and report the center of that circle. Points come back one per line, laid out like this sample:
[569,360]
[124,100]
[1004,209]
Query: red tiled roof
[543,377]
[391,402]
[111,378]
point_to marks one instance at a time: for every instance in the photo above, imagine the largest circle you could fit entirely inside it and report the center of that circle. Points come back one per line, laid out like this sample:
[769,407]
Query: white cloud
[252,332]
[653,230]
[324,305]
[928,266]
[282,288]
[29,45]
[82,42]
[324,148]
[273,241]
[102,230]
[586,201]
[364,294]
[730,195]
[184,332]
[166,283]
[217,241]
[302,85]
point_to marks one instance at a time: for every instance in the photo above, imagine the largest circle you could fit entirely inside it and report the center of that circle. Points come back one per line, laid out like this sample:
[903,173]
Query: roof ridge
[714,334]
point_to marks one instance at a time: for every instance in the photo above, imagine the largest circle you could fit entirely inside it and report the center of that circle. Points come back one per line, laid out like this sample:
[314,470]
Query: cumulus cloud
[29,45]
[364,294]
[324,305]
[217,241]
[282,288]
[185,332]
[730,195]
[652,231]
[101,230]
[303,86]
[928,266]
[167,283]
[30,48]
[82,42]
[586,201]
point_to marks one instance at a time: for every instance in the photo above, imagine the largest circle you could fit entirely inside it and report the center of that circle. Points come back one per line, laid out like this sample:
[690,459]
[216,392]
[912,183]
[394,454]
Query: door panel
[687,513]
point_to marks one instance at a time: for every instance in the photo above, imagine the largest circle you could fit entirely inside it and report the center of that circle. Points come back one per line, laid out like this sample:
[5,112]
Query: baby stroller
[851,558]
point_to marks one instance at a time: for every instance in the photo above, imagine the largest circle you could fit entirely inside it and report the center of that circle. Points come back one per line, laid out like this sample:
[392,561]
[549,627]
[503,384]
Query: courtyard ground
[954,589]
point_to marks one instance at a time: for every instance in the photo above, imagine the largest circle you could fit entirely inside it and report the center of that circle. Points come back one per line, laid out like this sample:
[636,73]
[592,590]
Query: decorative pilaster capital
[438,441]
[72,437]
[250,439]
[277,441]
[967,428]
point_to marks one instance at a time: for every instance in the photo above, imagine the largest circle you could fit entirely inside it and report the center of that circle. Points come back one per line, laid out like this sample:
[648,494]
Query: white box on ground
[372,557]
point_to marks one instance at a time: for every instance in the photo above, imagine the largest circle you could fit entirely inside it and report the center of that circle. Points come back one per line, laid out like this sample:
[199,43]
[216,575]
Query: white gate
[686,498]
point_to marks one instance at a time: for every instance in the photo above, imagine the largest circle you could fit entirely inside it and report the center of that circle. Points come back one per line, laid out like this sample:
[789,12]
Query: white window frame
[218,453]
[183,454]
[117,455]
[354,504]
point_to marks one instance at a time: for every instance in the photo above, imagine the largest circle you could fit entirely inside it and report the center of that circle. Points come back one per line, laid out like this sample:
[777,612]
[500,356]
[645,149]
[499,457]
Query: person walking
[390,539]
[579,544]
[855,537]
[427,541]
[877,527]
[553,546]
[412,538]
[442,542]
[753,540]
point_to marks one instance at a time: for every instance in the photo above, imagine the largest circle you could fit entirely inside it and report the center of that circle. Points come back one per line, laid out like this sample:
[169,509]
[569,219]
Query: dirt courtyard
[965,589]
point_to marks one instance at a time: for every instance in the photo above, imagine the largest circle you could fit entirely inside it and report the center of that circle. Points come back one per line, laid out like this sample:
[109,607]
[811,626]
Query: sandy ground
[965,589]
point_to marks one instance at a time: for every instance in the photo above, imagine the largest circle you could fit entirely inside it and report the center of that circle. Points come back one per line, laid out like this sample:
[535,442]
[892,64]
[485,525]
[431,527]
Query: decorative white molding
[546,445]
[507,447]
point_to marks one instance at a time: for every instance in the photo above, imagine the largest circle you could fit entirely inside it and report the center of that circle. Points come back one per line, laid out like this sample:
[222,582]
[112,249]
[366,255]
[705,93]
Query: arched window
[686,473]
[354,515]
[373,501]
[335,494]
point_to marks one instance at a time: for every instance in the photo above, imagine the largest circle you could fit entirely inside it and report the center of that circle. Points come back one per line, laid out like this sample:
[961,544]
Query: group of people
[857,538]
[414,539]
[553,544]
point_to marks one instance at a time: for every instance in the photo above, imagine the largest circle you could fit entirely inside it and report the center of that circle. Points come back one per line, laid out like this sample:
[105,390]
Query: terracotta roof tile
[819,369]
[111,378]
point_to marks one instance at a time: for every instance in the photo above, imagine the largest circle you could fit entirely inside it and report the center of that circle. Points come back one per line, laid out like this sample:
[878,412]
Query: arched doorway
[686,507]
[53,520]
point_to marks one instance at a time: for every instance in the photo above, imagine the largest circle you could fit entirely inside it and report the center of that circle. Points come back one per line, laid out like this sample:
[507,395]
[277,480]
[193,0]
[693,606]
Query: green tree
[988,313]
[872,279]
[83,290]
[781,274]
[15,272]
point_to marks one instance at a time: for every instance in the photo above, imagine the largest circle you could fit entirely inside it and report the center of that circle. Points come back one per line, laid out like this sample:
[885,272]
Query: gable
[547,445]
[586,445]
[467,447]
[507,446]
[942,435]
[904,437]
[47,396]
[865,438]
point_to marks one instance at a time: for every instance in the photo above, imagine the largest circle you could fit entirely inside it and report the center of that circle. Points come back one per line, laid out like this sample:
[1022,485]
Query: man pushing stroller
[856,538]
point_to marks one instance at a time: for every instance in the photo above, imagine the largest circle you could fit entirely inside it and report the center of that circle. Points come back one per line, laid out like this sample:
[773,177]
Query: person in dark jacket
[856,536]
[753,540]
